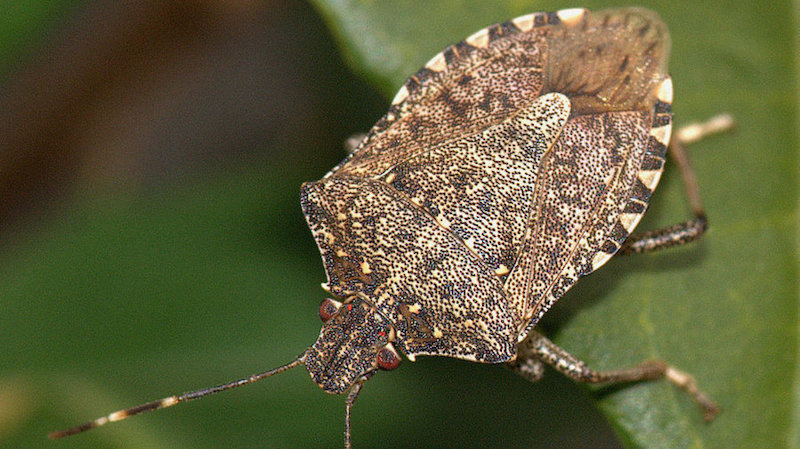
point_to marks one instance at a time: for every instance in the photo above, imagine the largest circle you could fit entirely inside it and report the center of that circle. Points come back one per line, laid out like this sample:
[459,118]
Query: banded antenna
[177,399]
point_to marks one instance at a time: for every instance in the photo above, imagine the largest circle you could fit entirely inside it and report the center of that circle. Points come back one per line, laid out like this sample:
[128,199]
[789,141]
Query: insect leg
[677,234]
[690,230]
[539,347]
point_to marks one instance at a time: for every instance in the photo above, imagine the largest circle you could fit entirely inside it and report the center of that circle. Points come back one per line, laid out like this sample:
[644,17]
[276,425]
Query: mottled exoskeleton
[514,163]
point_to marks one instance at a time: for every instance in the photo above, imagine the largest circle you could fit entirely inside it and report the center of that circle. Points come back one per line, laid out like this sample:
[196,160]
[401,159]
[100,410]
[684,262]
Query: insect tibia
[172,400]
[687,383]
[697,131]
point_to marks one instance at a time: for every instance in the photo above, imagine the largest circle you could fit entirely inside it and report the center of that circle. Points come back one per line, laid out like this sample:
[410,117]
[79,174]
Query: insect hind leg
[690,230]
[539,348]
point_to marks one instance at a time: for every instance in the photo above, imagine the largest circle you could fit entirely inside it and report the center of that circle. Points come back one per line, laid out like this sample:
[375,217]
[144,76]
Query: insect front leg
[690,230]
[538,348]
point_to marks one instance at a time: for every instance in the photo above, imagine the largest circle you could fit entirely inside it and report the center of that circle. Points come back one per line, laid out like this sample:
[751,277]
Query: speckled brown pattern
[511,165]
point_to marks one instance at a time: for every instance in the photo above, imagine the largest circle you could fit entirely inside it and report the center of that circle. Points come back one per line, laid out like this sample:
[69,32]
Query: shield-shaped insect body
[511,165]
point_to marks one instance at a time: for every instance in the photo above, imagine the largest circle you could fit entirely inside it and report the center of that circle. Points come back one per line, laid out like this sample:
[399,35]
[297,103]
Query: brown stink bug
[514,163]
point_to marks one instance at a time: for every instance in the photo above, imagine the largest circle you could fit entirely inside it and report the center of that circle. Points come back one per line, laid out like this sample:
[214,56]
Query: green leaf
[724,309]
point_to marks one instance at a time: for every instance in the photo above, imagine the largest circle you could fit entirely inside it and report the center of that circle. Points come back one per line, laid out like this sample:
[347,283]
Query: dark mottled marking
[652,161]
[624,63]
[656,148]
[424,74]
[661,119]
[507,29]
[634,207]
[640,192]
[609,247]
[662,107]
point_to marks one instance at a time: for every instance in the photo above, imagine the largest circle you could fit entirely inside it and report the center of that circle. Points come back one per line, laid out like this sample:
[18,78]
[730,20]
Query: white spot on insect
[117,416]
[411,357]
[501,270]
[650,178]
[571,16]
[468,323]
[664,90]
[437,63]
[100,421]
[599,259]
[329,238]
[365,267]
[437,333]
[524,23]
[341,217]
[480,39]
[341,253]
[662,134]
[401,95]
[629,221]
[414,308]
[325,287]
[390,177]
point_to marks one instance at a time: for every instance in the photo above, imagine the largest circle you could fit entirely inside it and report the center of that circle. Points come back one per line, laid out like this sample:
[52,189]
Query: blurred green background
[151,240]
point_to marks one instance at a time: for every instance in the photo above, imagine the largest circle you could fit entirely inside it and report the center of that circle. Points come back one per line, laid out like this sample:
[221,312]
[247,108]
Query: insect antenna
[177,399]
[352,395]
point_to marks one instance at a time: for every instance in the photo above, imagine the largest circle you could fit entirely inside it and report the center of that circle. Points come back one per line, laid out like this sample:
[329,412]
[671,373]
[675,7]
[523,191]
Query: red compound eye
[388,359]
[327,309]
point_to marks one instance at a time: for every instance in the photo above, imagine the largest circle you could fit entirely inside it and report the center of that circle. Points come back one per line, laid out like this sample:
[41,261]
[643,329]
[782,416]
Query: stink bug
[512,164]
